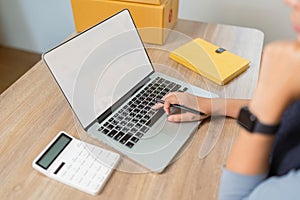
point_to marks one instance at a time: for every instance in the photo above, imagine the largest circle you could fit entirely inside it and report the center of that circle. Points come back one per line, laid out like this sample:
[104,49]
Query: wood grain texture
[33,111]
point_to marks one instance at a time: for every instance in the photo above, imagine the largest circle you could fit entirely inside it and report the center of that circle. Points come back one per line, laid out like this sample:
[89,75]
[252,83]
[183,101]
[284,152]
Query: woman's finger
[184,117]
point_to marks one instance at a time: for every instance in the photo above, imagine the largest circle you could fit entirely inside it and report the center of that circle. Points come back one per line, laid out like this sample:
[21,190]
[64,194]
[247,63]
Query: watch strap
[265,129]
[252,124]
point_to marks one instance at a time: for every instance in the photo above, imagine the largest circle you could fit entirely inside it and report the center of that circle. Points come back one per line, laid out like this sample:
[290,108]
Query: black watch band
[251,123]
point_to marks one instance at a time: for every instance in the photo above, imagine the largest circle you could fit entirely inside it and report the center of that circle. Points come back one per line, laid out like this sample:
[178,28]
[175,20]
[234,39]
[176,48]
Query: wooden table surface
[33,111]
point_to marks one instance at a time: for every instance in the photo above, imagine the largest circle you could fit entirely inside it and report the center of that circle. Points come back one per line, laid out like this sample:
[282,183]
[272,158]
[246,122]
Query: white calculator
[76,163]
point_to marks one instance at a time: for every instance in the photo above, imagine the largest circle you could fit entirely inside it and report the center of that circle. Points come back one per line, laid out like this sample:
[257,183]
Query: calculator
[76,163]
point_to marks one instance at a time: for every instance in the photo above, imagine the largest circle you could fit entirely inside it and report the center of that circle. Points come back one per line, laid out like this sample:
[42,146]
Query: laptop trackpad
[174,131]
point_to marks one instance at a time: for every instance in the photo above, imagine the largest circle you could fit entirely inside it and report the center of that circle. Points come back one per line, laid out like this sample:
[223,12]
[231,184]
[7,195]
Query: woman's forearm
[227,107]
[233,106]
[250,154]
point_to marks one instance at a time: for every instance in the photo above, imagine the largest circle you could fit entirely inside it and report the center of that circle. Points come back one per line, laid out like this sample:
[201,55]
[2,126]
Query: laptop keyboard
[135,118]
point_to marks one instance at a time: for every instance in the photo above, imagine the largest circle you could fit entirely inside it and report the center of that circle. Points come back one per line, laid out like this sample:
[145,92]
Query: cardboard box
[152,21]
[155,2]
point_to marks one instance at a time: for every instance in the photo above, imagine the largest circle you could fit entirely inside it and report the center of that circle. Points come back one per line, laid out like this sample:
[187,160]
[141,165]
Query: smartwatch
[252,124]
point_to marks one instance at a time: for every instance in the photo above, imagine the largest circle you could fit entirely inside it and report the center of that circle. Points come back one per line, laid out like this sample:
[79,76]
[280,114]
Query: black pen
[187,109]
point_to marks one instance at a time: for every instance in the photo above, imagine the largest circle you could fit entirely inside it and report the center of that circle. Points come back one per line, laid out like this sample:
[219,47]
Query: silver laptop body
[103,69]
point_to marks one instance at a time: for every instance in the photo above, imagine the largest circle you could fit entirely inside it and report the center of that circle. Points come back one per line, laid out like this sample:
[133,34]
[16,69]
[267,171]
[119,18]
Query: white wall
[270,16]
[38,25]
[35,25]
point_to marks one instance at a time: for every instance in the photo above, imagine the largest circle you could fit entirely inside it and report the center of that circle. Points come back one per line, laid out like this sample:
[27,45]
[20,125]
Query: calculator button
[97,152]
[104,170]
[78,178]
[85,182]
[59,167]
[74,167]
[95,185]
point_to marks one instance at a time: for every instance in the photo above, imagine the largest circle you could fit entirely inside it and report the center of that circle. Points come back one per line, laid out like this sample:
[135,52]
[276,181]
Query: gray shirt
[234,186]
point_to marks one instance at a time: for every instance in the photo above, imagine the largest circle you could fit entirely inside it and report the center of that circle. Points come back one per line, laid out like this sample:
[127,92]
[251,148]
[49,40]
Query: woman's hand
[188,100]
[279,81]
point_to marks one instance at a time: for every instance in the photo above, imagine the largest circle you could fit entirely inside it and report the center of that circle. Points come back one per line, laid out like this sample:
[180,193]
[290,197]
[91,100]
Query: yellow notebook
[209,60]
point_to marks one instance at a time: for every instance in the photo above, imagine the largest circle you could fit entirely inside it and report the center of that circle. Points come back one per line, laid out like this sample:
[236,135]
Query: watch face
[246,119]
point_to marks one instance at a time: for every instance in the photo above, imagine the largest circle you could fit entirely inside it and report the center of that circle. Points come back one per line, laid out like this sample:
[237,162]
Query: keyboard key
[143,121]
[145,103]
[133,106]
[125,129]
[101,128]
[115,122]
[124,114]
[139,116]
[143,112]
[132,114]
[125,138]
[176,88]
[119,136]
[153,103]
[134,130]
[136,110]
[134,139]
[160,80]
[141,106]
[155,117]
[130,125]
[139,134]
[144,129]
[110,127]
[112,133]
[134,120]
[123,123]
[118,128]
[152,112]
[120,117]
[138,125]
[129,144]
[128,118]
[146,117]
[142,98]
[105,131]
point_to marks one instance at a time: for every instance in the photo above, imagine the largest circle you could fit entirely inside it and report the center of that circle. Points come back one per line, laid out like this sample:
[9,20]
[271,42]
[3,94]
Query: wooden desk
[33,110]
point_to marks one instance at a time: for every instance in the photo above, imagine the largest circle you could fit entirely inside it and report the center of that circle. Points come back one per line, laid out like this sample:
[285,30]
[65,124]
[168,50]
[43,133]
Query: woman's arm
[210,106]
[232,106]
[279,85]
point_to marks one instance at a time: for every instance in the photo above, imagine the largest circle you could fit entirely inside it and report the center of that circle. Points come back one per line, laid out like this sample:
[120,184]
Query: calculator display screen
[53,151]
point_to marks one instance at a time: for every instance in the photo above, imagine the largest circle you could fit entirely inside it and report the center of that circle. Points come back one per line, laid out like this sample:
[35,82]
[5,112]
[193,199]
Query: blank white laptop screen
[97,67]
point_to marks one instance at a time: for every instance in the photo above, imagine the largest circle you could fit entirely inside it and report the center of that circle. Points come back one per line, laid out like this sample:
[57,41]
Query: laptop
[109,81]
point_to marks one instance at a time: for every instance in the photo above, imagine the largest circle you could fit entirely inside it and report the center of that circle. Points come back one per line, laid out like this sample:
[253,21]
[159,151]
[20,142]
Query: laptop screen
[97,67]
